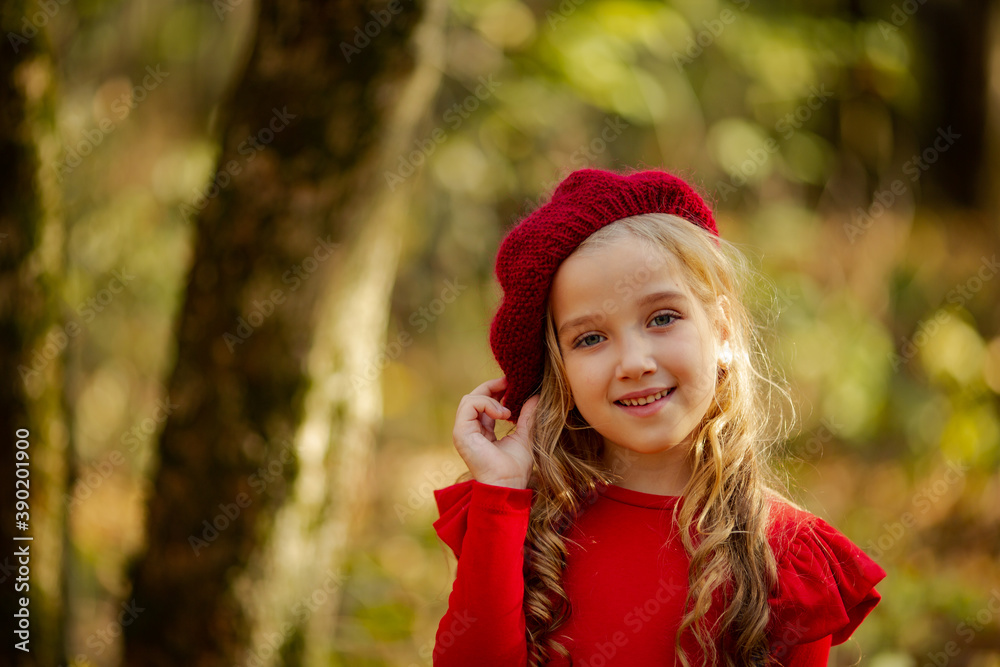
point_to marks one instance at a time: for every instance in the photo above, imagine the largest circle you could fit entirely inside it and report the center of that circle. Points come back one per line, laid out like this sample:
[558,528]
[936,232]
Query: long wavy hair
[723,520]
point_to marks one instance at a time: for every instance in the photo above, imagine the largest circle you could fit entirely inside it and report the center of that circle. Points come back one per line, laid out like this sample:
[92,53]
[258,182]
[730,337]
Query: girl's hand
[506,462]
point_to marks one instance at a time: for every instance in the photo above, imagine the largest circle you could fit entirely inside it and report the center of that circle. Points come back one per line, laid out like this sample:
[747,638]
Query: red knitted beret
[532,251]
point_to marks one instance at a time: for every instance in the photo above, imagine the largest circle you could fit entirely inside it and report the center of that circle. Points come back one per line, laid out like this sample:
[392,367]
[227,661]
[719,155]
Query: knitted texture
[532,251]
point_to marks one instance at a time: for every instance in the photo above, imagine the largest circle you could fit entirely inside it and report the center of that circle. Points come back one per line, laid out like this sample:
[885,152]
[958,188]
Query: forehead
[608,274]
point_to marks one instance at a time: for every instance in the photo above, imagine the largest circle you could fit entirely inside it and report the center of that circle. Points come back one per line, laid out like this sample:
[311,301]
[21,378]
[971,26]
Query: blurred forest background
[246,275]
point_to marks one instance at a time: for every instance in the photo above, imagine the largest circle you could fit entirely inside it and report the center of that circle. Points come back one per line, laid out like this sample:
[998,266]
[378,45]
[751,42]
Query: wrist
[505,482]
[500,499]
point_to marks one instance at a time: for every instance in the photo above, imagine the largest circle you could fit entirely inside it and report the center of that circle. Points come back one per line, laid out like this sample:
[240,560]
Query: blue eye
[588,340]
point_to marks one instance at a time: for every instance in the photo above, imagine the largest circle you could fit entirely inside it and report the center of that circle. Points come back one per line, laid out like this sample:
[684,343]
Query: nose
[636,358]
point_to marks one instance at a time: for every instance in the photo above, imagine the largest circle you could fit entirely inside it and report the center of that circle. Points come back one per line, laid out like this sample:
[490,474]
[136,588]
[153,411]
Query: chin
[646,446]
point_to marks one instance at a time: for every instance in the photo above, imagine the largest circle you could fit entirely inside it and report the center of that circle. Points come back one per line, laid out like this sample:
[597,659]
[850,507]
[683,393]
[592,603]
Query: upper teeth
[644,399]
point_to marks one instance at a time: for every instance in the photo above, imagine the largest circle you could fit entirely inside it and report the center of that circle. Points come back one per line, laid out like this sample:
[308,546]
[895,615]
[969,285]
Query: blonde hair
[723,520]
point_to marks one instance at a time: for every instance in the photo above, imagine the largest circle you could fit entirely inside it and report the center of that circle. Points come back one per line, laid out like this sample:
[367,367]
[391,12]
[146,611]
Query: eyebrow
[652,297]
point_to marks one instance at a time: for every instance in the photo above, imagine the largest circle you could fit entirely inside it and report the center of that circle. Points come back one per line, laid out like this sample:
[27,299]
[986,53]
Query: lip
[647,409]
[644,392]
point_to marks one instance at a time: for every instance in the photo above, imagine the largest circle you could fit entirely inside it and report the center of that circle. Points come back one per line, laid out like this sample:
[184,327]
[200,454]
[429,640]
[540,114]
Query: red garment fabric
[626,578]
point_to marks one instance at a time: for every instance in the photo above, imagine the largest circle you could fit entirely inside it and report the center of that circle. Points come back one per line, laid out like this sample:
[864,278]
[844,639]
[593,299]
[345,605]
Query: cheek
[583,377]
[698,365]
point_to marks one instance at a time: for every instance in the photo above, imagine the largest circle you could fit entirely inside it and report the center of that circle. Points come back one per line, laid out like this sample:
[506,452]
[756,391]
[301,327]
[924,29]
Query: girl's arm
[484,624]
[485,526]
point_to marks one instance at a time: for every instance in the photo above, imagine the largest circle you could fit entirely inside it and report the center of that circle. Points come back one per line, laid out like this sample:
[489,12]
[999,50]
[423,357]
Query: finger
[496,411]
[494,388]
[488,423]
[471,408]
[525,419]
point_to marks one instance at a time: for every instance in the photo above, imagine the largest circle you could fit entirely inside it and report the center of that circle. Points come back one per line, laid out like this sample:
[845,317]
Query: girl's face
[639,349]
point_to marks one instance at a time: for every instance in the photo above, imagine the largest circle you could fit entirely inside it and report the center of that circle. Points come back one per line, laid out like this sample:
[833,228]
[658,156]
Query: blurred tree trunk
[991,174]
[957,94]
[33,340]
[263,459]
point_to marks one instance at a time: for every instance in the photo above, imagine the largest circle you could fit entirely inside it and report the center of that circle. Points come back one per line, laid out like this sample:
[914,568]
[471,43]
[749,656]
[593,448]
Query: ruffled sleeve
[453,512]
[826,583]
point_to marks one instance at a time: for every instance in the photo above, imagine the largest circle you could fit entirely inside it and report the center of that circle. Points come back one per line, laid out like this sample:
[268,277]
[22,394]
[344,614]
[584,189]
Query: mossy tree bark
[287,298]
[34,340]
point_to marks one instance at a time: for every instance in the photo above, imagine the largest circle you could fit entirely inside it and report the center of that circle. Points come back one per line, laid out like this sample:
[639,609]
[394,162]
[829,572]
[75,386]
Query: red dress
[626,577]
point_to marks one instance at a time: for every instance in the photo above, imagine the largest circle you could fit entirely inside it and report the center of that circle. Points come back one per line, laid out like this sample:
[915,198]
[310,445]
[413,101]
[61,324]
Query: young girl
[628,518]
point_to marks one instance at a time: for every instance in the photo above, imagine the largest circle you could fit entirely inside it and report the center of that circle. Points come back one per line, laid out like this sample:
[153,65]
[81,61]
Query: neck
[664,473]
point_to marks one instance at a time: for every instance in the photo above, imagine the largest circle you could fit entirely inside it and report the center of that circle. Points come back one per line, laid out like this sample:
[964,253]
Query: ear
[723,319]
[723,329]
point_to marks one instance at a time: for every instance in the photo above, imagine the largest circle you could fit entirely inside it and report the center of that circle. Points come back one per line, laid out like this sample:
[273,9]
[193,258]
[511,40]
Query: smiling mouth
[644,400]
